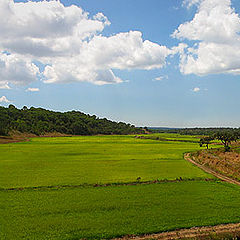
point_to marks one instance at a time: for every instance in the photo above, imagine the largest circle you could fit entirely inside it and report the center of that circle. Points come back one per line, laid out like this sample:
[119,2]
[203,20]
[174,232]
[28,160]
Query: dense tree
[195,131]
[226,137]
[40,121]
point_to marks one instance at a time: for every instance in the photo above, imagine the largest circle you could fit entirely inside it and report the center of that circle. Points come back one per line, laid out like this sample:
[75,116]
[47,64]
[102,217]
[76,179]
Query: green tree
[226,137]
[206,141]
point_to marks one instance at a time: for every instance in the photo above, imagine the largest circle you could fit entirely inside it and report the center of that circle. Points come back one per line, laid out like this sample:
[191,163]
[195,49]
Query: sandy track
[196,232]
[192,233]
[210,171]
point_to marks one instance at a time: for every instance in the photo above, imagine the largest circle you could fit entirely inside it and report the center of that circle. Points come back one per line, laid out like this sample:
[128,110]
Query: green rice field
[97,159]
[48,188]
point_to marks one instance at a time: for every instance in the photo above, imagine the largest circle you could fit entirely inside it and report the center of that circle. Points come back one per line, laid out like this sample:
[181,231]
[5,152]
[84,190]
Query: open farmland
[91,160]
[68,205]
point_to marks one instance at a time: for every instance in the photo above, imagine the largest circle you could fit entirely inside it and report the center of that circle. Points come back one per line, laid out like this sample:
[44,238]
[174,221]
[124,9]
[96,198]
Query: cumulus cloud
[33,90]
[3,99]
[70,43]
[16,69]
[214,32]
[46,27]
[102,54]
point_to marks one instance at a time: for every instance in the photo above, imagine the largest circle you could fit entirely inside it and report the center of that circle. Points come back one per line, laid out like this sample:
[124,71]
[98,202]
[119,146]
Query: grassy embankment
[104,212]
[226,163]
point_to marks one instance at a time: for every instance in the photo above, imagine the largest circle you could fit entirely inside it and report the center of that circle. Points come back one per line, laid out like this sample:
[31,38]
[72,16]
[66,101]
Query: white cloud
[160,78]
[102,54]
[190,3]
[46,28]
[214,31]
[3,99]
[33,90]
[16,69]
[70,42]
[196,89]
[4,85]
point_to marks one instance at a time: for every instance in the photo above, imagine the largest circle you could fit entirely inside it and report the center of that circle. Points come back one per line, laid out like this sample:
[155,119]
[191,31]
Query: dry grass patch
[227,163]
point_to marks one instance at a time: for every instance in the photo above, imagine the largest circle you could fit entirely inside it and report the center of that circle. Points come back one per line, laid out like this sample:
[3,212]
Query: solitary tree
[226,137]
[205,141]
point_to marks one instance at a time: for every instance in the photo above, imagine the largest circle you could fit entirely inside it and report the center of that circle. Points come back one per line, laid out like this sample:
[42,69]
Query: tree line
[225,135]
[192,131]
[39,121]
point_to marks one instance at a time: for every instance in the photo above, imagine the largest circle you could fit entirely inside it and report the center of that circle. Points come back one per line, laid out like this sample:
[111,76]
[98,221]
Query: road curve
[210,171]
[192,233]
[195,232]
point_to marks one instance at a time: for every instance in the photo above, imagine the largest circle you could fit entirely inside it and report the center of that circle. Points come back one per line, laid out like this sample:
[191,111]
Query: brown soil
[55,134]
[203,160]
[16,136]
[225,163]
[222,231]
[212,171]
[224,166]
[13,139]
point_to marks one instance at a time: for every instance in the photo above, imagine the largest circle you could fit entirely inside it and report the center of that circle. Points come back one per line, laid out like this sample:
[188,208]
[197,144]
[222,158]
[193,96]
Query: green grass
[97,159]
[73,213]
[177,137]
[106,212]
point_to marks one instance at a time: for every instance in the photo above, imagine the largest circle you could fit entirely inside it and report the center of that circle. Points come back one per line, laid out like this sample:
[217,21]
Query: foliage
[195,131]
[206,141]
[39,121]
[225,136]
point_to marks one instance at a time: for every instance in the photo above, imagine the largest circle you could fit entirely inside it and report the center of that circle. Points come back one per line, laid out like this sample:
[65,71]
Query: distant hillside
[192,131]
[162,128]
[40,121]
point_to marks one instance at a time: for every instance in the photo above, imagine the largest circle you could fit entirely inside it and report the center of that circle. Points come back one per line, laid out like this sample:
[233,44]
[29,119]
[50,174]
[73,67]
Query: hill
[193,131]
[40,121]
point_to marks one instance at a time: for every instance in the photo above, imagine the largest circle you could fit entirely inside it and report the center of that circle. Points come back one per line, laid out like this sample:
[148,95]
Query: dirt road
[192,233]
[197,232]
[210,171]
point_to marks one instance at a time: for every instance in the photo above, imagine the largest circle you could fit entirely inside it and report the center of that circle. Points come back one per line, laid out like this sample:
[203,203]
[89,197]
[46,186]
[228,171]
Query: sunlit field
[96,159]
[53,188]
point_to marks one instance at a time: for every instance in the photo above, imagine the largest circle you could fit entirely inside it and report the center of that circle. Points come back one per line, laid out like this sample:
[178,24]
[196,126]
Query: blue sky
[198,94]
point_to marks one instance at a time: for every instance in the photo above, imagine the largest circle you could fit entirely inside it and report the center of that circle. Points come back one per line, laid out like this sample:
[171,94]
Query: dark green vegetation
[39,121]
[226,137]
[171,137]
[194,131]
[71,209]
[205,141]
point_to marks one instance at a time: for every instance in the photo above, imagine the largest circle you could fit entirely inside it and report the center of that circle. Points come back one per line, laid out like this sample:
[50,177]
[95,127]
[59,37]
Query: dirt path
[192,233]
[202,233]
[6,140]
[196,232]
[210,171]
